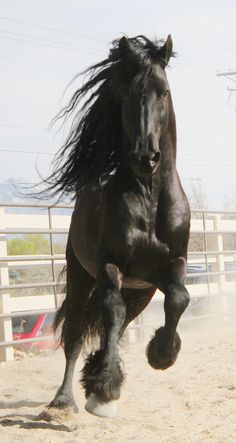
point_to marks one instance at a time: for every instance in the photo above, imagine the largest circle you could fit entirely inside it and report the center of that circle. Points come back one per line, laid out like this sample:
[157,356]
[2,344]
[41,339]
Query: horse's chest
[144,252]
[141,241]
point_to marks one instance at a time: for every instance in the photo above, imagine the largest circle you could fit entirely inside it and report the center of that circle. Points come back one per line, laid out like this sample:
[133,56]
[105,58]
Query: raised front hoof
[101,408]
[162,354]
[63,402]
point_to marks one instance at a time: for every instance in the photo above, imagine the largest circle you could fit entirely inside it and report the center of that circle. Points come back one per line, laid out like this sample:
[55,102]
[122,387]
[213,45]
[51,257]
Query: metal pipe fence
[211,261]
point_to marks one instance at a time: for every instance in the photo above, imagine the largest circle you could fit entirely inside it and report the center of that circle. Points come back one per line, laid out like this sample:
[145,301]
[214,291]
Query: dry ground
[194,401]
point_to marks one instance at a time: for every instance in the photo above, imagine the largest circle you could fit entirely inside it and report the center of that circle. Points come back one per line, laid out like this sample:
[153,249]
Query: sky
[43,45]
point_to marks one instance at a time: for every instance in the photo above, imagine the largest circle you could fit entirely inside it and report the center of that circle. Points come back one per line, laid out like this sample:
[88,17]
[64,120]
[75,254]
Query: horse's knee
[114,308]
[176,300]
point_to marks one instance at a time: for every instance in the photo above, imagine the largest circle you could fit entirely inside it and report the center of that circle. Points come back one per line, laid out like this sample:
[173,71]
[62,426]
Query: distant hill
[12,193]
[20,193]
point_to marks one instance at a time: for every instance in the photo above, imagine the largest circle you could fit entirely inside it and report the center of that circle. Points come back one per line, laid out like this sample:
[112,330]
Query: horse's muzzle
[145,166]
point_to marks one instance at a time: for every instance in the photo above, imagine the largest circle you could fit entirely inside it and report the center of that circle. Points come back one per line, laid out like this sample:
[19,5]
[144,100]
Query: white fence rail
[29,281]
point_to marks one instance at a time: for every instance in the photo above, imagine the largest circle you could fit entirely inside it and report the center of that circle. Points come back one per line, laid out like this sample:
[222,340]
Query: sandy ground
[194,401]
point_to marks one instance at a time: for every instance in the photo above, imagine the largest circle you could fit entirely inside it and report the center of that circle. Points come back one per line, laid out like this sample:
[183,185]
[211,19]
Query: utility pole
[228,74]
[225,74]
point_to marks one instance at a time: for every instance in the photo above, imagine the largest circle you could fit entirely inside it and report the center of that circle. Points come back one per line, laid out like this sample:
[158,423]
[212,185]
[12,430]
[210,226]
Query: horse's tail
[59,320]
[92,324]
[59,323]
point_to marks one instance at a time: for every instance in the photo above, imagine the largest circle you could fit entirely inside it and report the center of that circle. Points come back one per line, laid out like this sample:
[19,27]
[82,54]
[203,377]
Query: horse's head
[125,116]
[145,103]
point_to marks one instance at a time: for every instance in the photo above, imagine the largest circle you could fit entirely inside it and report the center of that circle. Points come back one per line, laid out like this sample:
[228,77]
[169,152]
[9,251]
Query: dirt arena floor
[194,401]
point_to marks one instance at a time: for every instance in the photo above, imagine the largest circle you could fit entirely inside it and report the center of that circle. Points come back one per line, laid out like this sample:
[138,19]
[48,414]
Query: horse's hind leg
[79,286]
[164,347]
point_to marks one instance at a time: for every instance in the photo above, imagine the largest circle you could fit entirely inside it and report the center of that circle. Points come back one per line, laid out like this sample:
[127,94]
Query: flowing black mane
[92,150]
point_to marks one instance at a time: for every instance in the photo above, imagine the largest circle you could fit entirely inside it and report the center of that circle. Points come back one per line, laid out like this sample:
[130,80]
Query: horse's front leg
[102,373]
[163,349]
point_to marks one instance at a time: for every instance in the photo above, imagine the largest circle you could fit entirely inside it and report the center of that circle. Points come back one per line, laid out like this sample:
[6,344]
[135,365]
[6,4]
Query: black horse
[130,227]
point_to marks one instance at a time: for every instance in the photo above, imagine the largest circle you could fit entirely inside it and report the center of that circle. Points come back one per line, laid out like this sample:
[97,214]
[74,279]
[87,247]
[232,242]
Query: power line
[83,50]
[50,41]
[48,28]
[89,51]
[16,151]
[197,160]
[22,127]
[47,46]
[95,39]
[205,60]
[193,66]
[18,183]
[180,139]
[178,65]
[52,29]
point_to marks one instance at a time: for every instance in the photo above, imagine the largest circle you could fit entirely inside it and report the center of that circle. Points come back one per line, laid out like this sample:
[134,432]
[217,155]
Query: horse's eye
[163,95]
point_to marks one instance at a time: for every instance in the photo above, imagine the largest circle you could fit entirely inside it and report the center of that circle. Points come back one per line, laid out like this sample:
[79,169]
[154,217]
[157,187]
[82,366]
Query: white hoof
[101,408]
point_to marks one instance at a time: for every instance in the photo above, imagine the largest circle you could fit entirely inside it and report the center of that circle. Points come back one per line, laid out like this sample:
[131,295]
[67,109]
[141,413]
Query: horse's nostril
[156,156]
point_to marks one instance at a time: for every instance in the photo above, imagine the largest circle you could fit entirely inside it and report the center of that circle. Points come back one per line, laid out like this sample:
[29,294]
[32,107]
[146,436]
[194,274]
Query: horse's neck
[169,139]
[147,189]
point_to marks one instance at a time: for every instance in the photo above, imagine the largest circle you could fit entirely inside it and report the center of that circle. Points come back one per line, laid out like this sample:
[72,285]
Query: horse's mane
[92,149]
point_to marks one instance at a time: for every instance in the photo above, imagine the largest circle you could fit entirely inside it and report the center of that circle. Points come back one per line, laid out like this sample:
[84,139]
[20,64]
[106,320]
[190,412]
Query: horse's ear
[166,51]
[124,45]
